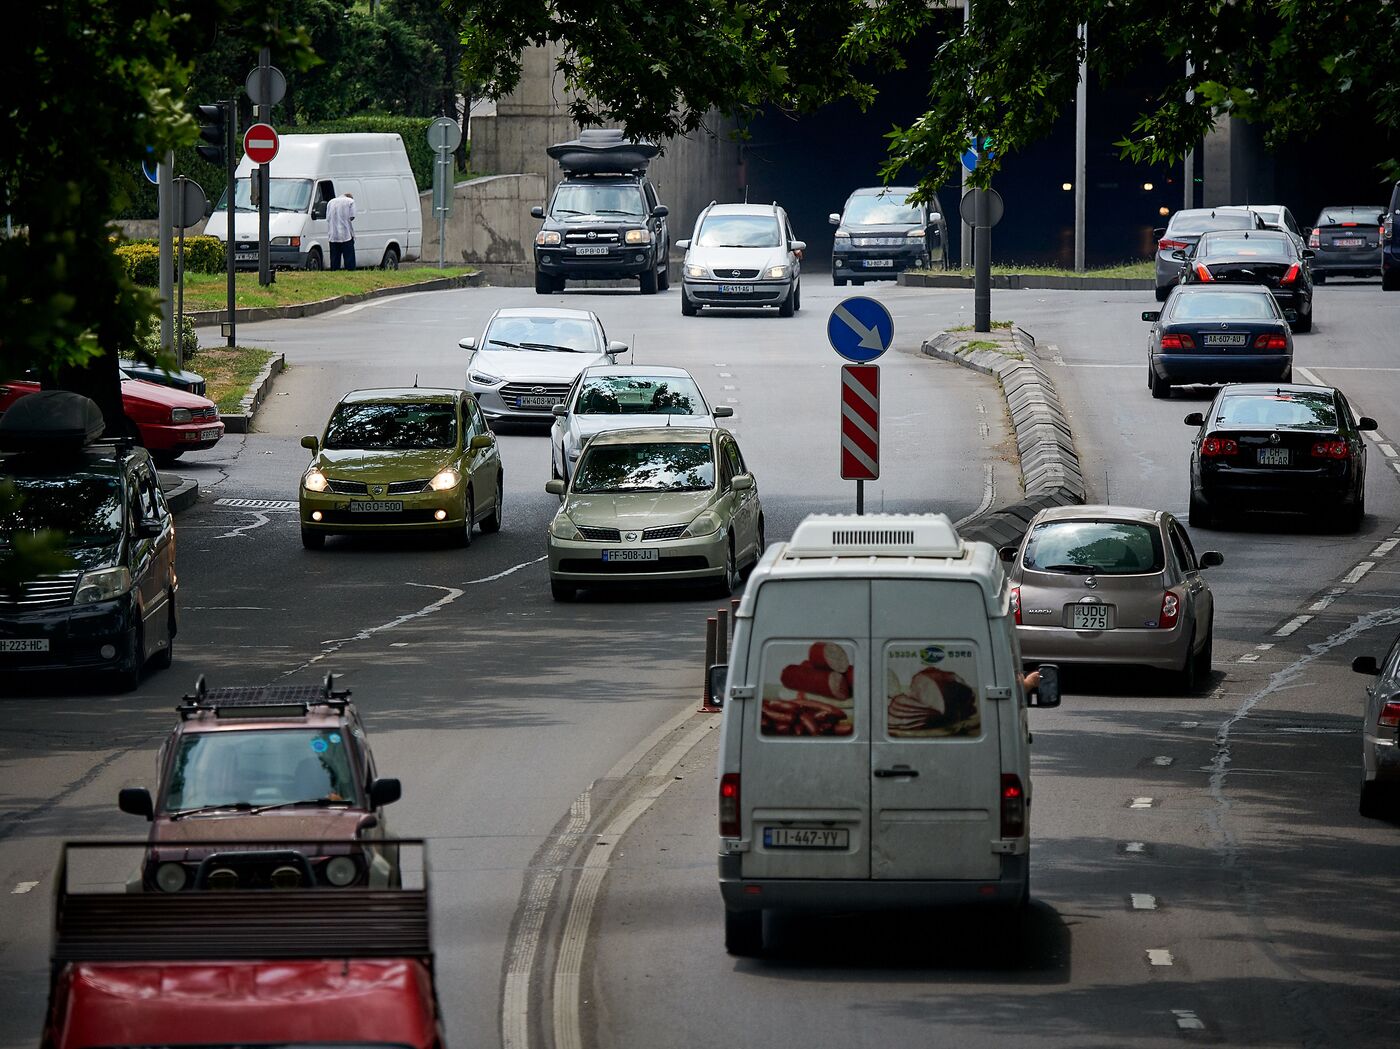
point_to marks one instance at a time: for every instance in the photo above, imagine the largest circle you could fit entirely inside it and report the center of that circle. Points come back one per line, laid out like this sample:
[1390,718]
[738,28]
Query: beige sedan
[662,504]
[1113,584]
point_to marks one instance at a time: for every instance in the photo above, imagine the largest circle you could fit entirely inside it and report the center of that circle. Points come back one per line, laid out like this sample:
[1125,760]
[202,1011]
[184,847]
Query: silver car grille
[347,487]
[48,591]
[665,532]
[601,535]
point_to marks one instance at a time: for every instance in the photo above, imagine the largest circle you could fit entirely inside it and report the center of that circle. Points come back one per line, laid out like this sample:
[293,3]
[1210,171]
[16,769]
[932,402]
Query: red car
[168,422]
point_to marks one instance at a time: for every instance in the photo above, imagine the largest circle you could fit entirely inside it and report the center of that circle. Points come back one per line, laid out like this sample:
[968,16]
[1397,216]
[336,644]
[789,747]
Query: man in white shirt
[340,218]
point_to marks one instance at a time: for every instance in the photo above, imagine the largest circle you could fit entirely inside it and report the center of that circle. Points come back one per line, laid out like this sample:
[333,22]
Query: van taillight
[1171,609]
[1390,714]
[729,805]
[1013,806]
[1016,603]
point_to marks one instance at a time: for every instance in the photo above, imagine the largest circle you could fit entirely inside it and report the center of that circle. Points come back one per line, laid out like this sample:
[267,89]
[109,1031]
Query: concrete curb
[1027,281]
[241,421]
[210,318]
[180,492]
[1050,470]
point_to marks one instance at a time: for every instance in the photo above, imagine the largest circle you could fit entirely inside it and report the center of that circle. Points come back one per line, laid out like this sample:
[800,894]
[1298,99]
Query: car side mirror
[137,801]
[148,528]
[742,483]
[1152,316]
[1179,255]
[480,442]
[1212,559]
[799,246]
[1366,423]
[559,410]
[616,348]
[684,245]
[1361,664]
[1160,233]
[935,217]
[660,211]
[469,343]
[318,210]
[1195,419]
[1007,554]
[1308,253]
[722,411]
[311,444]
[537,212]
[384,791]
[834,219]
[717,677]
[1047,693]
[554,486]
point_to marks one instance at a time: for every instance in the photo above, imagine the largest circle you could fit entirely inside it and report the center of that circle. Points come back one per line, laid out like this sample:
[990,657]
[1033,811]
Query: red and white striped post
[860,426]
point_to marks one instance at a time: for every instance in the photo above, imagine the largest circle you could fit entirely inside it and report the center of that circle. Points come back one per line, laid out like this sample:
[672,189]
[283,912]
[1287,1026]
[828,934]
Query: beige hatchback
[1113,584]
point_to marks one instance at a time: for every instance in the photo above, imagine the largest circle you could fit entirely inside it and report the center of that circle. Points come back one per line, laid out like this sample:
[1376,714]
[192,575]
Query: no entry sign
[260,143]
[860,422]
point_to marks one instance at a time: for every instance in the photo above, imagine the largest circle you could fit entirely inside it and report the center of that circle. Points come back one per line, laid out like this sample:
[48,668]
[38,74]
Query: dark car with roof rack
[258,766]
[604,220]
[112,609]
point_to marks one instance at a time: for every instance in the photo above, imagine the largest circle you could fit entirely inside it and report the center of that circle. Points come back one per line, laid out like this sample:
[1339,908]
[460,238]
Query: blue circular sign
[860,329]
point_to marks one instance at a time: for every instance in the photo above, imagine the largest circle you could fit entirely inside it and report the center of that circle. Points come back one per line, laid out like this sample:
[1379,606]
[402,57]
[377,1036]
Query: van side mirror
[311,444]
[148,528]
[1152,316]
[1007,554]
[722,411]
[1366,423]
[1195,419]
[799,246]
[1361,664]
[137,801]
[384,791]
[554,486]
[537,212]
[480,442]
[1047,693]
[935,217]
[834,219]
[559,410]
[660,211]
[1211,559]
[718,675]
[318,210]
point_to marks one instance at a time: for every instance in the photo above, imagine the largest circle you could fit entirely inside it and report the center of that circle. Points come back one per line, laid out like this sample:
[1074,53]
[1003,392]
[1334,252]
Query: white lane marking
[1339,368]
[1354,576]
[1387,450]
[262,519]
[1143,901]
[1321,603]
[1385,547]
[1141,803]
[989,491]
[1162,760]
[386,300]
[336,644]
[257,504]
[1397,466]
[1135,846]
[1187,1020]
[625,763]
[1252,657]
[1292,626]
[1159,956]
[1077,364]
[1264,646]
[1188,724]
[1309,376]
[726,375]
[568,1029]
[500,575]
[21,887]
[515,997]
[398,644]
[1304,730]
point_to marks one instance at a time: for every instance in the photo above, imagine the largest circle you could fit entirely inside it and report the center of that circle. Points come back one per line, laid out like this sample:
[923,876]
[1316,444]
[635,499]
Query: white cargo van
[875,749]
[309,171]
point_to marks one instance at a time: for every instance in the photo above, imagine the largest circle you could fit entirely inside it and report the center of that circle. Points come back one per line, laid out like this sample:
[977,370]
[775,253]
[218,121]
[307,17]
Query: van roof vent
[906,535]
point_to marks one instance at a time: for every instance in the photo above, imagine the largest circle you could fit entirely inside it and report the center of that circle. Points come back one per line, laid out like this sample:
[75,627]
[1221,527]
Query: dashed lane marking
[1159,956]
[1135,847]
[1264,646]
[1251,657]
[1292,626]
[1385,547]
[1142,901]
[1354,576]
[1163,760]
[1141,803]
[22,887]
[1387,450]
[1187,1020]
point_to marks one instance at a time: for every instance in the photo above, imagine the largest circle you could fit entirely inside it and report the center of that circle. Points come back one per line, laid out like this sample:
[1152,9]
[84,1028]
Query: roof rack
[261,701]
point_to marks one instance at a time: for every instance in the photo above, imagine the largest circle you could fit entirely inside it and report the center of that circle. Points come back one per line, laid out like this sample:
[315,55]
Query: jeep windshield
[645,468]
[251,770]
[574,199]
[86,507]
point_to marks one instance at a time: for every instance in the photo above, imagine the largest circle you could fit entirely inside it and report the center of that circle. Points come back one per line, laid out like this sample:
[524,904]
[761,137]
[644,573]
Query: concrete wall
[490,227]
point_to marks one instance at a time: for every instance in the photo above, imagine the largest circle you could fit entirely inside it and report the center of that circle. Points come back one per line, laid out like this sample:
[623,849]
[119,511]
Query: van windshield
[86,507]
[286,194]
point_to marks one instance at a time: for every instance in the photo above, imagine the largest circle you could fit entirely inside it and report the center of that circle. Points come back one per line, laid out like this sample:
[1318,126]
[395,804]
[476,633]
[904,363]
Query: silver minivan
[875,746]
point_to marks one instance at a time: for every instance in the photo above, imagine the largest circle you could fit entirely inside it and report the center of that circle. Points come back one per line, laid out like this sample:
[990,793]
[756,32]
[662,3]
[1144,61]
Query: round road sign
[967,207]
[260,143]
[444,135]
[860,329]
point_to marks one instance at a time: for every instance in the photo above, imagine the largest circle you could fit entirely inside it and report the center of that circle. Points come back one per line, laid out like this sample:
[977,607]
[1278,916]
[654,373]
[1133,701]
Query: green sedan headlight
[314,481]
[708,523]
[563,528]
[102,585]
[445,480]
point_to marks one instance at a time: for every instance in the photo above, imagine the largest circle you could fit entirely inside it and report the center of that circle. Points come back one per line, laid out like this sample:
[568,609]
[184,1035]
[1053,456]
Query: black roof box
[603,151]
[51,421]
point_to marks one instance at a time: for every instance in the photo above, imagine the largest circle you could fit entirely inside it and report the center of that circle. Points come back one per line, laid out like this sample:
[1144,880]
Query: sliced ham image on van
[811,693]
[926,696]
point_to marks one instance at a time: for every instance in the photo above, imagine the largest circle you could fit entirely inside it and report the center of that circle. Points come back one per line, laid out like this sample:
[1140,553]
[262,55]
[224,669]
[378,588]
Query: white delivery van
[875,749]
[309,171]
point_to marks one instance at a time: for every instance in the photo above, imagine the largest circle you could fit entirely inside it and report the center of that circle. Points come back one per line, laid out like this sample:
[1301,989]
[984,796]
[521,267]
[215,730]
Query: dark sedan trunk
[1247,271]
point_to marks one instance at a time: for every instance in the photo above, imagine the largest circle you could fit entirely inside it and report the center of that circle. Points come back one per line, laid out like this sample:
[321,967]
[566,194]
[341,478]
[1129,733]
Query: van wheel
[162,659]
[313,259]
[128,676]
[743,933]
[1374,801]
[391,258]
[787,307]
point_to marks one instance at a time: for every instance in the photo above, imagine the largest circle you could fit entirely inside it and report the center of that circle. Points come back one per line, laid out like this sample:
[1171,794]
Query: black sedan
[1266,257]
[1346,242]
[1280,447]
[1211,333]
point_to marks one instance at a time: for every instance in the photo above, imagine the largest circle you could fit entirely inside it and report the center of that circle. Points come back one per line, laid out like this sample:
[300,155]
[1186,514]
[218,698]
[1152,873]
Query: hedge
[150,341]
[142,258]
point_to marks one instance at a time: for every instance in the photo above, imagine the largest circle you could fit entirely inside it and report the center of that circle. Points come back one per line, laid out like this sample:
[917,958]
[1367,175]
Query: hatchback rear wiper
[237,806]
[1077,569]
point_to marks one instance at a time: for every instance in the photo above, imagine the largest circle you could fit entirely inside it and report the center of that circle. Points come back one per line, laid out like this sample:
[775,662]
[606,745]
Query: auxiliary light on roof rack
[262,701]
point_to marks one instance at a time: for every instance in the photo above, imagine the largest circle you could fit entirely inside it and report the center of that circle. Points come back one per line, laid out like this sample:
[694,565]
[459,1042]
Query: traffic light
[213,129]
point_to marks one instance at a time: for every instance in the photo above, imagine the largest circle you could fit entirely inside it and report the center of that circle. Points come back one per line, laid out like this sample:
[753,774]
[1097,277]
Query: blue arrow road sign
[860,329]
[150,169]
[969,159]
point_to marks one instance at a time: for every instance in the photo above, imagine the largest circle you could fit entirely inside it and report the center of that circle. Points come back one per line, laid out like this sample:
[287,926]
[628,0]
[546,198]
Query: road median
[283,311]
[1029,281]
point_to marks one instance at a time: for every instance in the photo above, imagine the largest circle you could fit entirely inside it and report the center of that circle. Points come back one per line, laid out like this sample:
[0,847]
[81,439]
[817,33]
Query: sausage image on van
[875,744]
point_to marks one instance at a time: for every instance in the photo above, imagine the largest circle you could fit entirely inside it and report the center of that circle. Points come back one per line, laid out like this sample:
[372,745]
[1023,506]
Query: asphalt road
[496,707]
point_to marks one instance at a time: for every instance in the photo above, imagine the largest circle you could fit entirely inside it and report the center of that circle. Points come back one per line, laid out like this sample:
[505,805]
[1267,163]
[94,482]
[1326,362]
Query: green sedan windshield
[393,427]
[645,468]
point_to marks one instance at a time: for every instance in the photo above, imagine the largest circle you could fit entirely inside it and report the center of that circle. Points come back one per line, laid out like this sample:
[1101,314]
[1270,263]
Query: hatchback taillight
[1013,806]
[1202,273]
[1390,714]
[1213,447]
[1016,604]
[1330,450]
[729,805]
[1271,342]
[1178,342]
[1171,610]
[1314,239]
[1171,245]
[1292,274]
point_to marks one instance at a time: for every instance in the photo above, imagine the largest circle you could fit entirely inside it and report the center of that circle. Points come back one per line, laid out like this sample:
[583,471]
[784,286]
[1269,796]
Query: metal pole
[710,631]
[722,635]
[1189,197]
[230,179]
[965,241]
[180,283]
[264,176]
[165,192]
[860,497]
[982,262]
[1081,144]
[444,173]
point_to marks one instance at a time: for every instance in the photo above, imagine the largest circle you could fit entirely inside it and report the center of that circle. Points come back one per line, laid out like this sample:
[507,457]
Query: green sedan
[402,459]
[663,504]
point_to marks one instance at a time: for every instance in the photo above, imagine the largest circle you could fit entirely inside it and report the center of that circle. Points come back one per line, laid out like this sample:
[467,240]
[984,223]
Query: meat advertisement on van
[931,690]
[808,689]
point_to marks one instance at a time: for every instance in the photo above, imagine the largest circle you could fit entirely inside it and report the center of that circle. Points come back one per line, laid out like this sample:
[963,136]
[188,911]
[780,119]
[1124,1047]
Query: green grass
[208,291]
[1123,269]
[1004,325]
[229,371]
[980,344]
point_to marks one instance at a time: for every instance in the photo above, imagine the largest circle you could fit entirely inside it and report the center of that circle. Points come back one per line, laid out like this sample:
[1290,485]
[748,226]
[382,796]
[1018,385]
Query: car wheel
[166,459]
[762,542]
[391,258]
[1161,388]
[313,259]
[1319,278]
[731,579]
[1390,279]
[128,676]
[1377,802]
[562,592]
[162,659]
[786,307]
[313,540]
[796,296]
[1188,676]
[463,536]
[544,284]
[1200,515]
[1205,658]
[663,278]
[1352,514]
[743,933]
[1304,324]
[649,282]
[688,308]
[492,524]
[840,282]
